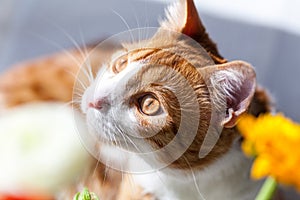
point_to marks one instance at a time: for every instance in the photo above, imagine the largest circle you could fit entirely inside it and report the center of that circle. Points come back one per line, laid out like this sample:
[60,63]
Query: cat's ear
[231,86]
[183,17]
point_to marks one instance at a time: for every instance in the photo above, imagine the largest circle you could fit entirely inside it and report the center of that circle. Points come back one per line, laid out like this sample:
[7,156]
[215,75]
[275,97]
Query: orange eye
[149,105]
[120,64]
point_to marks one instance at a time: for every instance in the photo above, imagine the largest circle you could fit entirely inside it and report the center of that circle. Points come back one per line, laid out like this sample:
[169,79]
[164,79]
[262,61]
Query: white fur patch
[175,16]
[226,179]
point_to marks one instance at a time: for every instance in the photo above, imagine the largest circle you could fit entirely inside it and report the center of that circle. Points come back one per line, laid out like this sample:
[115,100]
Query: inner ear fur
[232,86]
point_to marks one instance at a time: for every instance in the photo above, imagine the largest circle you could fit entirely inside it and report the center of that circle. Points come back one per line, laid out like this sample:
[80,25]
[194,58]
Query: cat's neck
[226,178]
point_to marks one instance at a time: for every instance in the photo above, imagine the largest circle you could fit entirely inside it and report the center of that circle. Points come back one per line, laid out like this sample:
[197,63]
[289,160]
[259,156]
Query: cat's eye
[149,105]
[120,64]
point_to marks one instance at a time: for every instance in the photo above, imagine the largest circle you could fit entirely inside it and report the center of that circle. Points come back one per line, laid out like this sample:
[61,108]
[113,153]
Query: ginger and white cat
[164,95]
[161,91]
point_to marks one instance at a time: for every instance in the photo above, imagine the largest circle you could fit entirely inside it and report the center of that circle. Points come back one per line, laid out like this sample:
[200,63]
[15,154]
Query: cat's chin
[113,156]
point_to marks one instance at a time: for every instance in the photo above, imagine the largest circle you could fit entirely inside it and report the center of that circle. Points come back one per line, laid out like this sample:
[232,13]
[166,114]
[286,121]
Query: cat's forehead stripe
[136,56]
[165,57]
[139,54]
[156,56]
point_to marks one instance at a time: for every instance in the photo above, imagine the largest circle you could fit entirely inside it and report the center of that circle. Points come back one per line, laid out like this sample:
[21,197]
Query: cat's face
[167,95]
[126,99]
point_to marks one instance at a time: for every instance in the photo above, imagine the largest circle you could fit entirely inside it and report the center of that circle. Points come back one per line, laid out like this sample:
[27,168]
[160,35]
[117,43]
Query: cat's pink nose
[98,104]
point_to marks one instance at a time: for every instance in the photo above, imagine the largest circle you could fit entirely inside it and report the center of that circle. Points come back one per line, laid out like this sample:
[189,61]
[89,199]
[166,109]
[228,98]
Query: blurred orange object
[23,197]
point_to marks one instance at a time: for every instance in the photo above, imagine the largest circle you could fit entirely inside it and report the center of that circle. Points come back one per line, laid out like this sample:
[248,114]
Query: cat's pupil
[149,105]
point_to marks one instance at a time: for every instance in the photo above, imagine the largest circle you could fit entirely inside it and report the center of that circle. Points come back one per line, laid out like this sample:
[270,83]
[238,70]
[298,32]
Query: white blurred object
[281,14]
[40,150]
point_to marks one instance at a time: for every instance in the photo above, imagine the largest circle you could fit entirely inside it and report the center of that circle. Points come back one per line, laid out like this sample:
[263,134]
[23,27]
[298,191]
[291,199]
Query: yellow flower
[275,141]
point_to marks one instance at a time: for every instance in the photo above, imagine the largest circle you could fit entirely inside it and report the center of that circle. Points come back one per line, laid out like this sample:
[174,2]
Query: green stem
[267,190]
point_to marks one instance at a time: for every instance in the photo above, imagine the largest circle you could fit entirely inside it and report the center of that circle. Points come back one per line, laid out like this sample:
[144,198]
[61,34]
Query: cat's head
[168,96]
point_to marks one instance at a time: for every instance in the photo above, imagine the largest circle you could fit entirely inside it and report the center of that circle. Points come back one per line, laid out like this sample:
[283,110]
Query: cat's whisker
[138,27]
[76,98]
[107,159]
[160,178]
[78,94]
[134,145]
[119,145]
[59,47]
[146,23]
[97,165]
[127,138]
[70,103]
[79,90]
[71,39]
[126,24]
[74,103]
[83,52]
[132,184]
[146,14]
[89,64]
[118,142]
[65,105]
[87,70]
[147,29]
[194,178]
[142,29]
[106,166]
[95,168]
[83,86]
[122,135]
[120,132]
[112,137]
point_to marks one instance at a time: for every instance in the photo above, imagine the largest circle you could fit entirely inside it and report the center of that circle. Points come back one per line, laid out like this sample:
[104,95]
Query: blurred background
[265,33]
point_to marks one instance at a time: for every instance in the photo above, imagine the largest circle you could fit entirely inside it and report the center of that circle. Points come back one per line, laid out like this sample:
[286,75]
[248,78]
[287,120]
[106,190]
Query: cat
[156,90]
[147,103]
